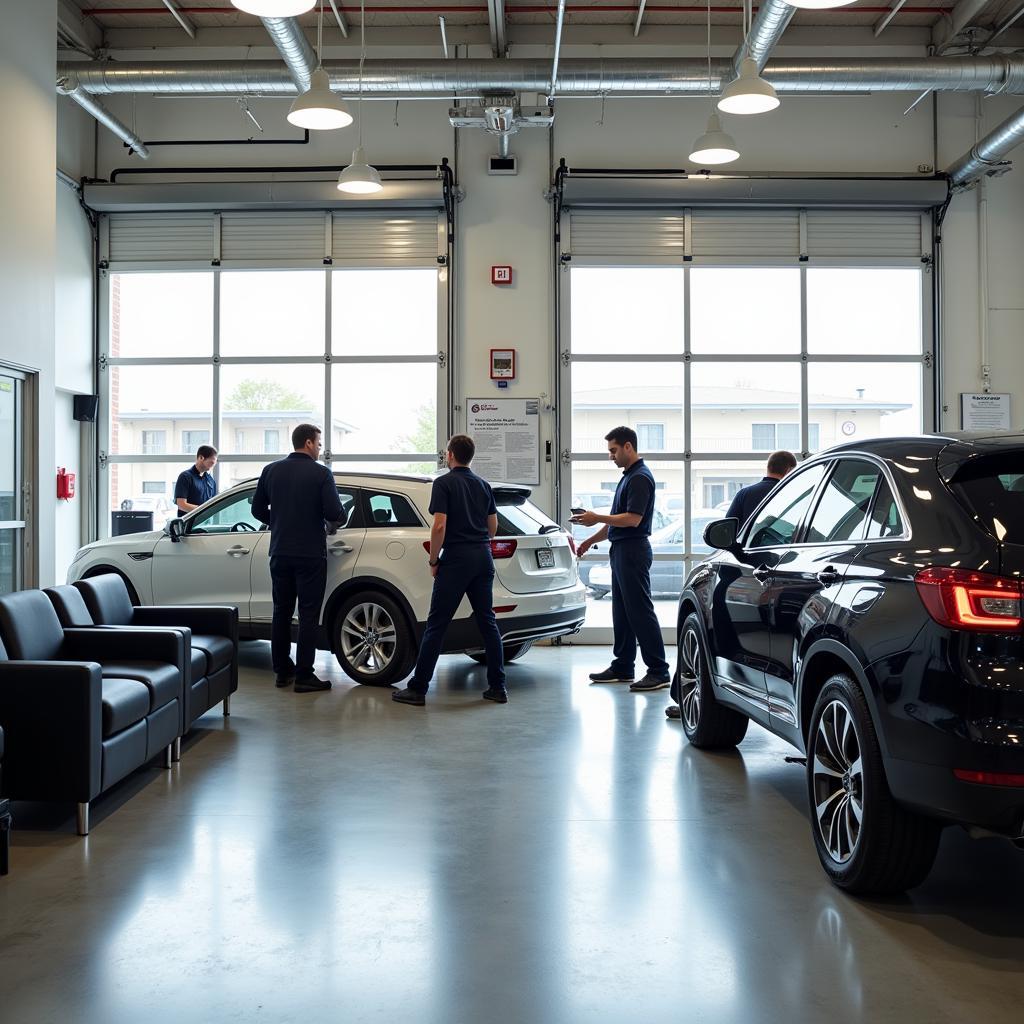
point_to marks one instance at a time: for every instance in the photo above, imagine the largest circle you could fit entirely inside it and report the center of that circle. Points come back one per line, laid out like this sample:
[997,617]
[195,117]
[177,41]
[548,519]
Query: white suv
[378,582]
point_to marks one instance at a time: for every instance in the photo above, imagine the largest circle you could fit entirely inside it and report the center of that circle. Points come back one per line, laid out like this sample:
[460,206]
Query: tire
[372,639]
[708,725]
[510,651]
[866,842]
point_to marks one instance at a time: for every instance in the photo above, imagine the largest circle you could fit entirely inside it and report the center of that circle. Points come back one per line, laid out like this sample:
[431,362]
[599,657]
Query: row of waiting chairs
[92,687]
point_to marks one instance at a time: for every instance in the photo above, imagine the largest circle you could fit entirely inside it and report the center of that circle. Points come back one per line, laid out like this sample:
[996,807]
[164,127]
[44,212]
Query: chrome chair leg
[177,749]
[168,751]
[227,705]
[82,819]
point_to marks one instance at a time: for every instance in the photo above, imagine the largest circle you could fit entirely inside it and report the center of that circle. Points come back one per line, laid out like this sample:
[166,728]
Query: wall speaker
[86,407]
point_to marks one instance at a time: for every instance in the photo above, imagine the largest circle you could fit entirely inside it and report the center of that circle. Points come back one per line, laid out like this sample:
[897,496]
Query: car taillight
[963,599]
[426,546]
[989,778]
[503,548]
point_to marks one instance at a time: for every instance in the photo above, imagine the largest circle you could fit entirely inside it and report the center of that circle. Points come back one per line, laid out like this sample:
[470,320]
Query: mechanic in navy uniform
[465,520]
[196,485]
[744,502]
[747,499]
[297,498]
[628,527]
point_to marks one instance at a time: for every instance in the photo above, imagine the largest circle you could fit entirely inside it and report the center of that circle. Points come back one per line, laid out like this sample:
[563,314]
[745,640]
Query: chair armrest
[84,644]
[51,713]
[215,620]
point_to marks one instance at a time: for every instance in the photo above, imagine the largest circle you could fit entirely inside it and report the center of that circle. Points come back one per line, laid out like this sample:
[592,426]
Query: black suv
[870,613]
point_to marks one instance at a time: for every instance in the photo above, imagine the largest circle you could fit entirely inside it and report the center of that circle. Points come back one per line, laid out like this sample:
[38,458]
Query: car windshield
[991,487]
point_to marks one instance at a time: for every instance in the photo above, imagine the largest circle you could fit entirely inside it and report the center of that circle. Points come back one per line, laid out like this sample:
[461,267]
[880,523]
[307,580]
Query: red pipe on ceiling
[509,9]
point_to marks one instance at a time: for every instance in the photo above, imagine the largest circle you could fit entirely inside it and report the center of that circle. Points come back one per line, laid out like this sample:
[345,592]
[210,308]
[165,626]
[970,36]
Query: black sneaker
[407,696]
[309,684]
[282,681]
[674,712]
[611,676]
[650,682]
[498,696]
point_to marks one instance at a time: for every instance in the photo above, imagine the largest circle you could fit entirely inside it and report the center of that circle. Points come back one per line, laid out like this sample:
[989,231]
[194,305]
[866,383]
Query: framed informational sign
[984,411]
[503,364]
[507,436]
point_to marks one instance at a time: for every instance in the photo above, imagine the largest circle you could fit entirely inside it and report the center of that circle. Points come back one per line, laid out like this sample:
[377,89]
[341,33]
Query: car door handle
[762,574]
[237,551]
[828,576]
[341,549]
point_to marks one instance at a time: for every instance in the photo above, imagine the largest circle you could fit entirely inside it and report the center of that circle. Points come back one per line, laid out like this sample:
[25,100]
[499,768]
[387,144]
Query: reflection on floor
[564,858]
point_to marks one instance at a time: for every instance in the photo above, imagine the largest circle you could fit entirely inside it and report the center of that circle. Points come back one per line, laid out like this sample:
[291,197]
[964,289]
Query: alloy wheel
[689,679]
[838,782]
[368,638]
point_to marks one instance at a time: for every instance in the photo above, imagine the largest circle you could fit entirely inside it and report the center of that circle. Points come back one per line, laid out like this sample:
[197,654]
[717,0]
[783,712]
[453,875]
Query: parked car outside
[666,575]
[378,584]
[870,613]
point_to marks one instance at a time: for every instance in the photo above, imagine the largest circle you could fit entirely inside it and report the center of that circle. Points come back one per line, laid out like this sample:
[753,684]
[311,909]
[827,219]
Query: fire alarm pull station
[501,275]
[65,484]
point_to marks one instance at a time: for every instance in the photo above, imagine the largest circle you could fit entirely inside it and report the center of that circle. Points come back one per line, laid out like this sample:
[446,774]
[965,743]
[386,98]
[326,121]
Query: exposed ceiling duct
[765,31]
[68,85]
[996,73]
[987,155]
[294,48]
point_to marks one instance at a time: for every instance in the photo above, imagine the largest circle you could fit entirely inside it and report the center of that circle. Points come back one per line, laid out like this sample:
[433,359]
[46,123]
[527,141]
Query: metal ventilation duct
[294,48]
[765,31]
[441,79]
[68,85]
[986,156]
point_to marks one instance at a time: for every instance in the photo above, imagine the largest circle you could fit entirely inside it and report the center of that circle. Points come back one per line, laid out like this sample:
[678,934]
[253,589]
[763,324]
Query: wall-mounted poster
[507,436]
[984,411]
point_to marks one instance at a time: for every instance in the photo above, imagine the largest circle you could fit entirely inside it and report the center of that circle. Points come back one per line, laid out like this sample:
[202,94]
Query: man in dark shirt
[465,520]
[296,496]
[628,527]
[196,484]
[748,498]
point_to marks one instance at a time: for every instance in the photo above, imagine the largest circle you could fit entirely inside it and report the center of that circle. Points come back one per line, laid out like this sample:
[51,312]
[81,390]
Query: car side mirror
[175,529]
[722,533]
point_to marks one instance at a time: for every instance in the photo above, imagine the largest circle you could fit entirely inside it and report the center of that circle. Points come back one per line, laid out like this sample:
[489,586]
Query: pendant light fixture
[359,178]
[715,146]
[749,93]
[318,108]
[274,8]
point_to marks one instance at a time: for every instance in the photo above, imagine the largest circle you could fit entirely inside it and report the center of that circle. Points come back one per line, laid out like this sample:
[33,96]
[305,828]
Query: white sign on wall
[507,436]
[984,411]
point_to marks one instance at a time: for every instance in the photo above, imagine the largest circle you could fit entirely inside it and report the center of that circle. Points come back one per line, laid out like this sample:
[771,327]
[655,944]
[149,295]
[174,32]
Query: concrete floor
[564,858]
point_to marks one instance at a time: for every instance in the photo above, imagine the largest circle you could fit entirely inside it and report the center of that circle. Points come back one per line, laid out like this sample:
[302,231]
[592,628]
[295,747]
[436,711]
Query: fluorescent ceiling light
[748,94]
[714,146]
[359,178]
[275,8]
[318,107]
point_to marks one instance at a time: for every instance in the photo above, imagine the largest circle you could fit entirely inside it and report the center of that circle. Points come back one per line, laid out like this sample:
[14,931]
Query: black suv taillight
[964,599]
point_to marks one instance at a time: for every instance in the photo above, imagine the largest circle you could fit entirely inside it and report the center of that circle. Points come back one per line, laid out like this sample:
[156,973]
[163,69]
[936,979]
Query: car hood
[129,542]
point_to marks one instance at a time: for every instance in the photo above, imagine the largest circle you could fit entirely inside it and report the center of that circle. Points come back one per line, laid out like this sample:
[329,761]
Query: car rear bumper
[463,635]
[935,791]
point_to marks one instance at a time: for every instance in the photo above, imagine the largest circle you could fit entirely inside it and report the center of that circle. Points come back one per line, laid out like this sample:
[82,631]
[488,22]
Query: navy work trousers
[465,570]
[633,617]
[303,580]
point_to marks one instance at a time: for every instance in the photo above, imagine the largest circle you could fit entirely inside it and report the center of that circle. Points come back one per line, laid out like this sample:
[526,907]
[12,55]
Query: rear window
[519,517]
[992,488]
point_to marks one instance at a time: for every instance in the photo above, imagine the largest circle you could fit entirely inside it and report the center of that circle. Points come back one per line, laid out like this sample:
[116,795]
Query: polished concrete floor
[564,858]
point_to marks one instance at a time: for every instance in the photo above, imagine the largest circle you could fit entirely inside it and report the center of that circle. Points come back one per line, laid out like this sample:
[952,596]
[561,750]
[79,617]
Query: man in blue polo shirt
[196,484]
[628,527]
[465,520]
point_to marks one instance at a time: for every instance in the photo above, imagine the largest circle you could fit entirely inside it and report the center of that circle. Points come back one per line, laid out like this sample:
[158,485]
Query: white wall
[506,220]
[67,514]
[28,231]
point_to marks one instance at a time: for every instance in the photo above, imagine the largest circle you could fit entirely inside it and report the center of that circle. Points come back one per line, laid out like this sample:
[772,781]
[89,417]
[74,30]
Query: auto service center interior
[733,228]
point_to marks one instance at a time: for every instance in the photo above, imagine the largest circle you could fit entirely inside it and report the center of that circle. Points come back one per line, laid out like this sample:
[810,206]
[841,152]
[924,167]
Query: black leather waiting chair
[5,820]
[82,708]
[214,640]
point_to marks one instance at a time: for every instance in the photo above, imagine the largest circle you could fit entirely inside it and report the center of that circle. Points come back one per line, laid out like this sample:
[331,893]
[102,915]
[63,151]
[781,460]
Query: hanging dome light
[359,178]
[714,146]
[318,107]
[818,5]
[275,8]
[749,93]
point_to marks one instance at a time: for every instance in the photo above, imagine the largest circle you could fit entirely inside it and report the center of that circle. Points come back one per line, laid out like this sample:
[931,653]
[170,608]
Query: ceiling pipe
[959,18]
[765,31]
[577,77]
[497,24]
[558,48]
[180,18]
[987,155]
[294,48]
[883,22]
[68,85]
[339,18]
[1008,22]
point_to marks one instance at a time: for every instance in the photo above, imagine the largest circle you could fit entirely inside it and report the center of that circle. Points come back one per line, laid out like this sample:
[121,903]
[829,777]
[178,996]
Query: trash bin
[123,522]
